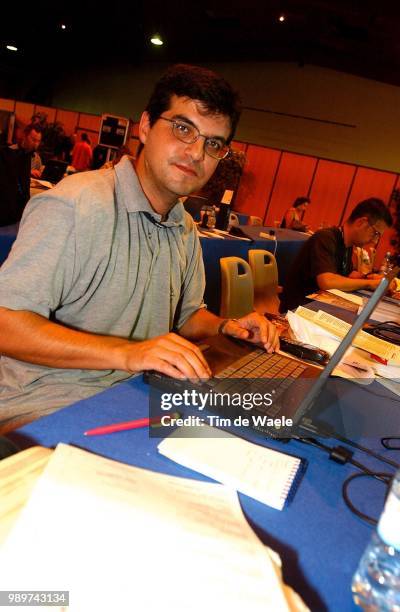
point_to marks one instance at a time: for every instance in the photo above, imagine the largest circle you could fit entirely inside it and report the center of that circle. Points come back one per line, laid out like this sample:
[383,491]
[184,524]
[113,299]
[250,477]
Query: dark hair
[215,94]
[300,201]
[31,126]
[85,137]
[372,208]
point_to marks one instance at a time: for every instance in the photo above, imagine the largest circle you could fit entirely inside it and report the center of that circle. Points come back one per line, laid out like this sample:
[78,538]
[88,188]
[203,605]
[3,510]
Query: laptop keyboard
[256,372]
[258,362]
[254,367]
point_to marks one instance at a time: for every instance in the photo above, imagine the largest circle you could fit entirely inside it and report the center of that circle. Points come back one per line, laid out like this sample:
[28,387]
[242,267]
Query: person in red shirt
[82,154]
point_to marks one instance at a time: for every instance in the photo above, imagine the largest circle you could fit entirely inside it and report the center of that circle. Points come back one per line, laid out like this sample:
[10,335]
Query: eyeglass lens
[190,134]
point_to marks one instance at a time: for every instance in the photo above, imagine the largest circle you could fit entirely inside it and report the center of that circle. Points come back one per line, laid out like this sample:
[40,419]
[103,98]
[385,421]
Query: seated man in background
[293,218]
[325,260]
[29,144]
[106,277]
[15,172]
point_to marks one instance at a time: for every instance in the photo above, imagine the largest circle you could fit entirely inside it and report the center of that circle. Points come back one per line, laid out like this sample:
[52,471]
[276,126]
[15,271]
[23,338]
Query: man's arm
[252,327]
[30,337]
[329,280]
[289,218]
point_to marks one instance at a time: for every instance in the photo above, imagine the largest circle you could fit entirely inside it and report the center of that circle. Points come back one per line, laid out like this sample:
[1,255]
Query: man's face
[365,232]
[170,168]
[31,141]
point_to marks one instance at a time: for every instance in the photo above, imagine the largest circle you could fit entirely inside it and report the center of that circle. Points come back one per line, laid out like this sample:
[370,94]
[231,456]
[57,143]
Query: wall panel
[135,130]
[69,119]
[385,243]
[257,180]
[24,112]
[370,183]
[50,112]
[294,179]
[238,146]
[329,191]
[89,122]
[6,104]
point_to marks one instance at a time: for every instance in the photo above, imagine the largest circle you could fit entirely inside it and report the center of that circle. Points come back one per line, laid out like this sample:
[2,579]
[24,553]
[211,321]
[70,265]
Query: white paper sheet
[122,538]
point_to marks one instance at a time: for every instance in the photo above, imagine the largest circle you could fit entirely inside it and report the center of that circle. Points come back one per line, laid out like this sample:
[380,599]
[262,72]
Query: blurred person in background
[15,172]
[29,144]
[82,154]
[293,218]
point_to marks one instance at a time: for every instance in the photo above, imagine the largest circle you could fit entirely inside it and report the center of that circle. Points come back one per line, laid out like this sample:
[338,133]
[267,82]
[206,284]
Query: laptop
[194,204]
[54,170]
[293,384]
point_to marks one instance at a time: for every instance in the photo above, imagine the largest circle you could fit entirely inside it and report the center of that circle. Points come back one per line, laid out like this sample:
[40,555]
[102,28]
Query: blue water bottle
[376,583]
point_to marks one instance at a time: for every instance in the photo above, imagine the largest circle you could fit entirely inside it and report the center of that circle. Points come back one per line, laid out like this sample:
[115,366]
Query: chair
[255,220]
[265,279]
[237,290]
[233,219]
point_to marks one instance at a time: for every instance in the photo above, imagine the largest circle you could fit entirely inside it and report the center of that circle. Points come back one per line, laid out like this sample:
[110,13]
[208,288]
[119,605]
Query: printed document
[123,538]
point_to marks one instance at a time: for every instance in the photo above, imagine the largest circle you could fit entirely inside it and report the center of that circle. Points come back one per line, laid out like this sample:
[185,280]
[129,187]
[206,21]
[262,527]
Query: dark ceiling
[359,37]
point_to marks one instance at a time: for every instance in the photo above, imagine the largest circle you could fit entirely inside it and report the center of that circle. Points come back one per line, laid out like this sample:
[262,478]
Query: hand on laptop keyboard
[254,328]
[169,354]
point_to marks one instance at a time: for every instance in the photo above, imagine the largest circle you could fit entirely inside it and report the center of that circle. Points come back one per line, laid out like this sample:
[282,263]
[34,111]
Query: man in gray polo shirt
[106,277]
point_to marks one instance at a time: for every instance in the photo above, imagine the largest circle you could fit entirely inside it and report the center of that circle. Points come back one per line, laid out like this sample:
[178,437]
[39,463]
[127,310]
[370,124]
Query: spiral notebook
[267,475]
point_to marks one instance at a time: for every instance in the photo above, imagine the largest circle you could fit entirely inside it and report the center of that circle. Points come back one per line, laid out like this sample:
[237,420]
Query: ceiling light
[11,48]
[63,26]
[156,40]
[282,18]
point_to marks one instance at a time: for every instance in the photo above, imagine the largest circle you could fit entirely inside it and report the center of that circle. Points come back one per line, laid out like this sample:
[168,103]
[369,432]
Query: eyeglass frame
[377,234]
[176,122]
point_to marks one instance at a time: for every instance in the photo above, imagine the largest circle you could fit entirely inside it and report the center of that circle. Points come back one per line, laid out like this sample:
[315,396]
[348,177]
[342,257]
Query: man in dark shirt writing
[324,261]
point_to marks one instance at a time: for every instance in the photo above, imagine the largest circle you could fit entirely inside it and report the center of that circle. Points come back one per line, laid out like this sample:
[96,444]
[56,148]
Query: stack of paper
[338,298]
[123,538]
[307,327]
[385,350]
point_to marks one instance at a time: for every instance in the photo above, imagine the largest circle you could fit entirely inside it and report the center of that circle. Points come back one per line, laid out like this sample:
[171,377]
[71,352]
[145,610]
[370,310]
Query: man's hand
[254,328]
[169,354]
[376,279]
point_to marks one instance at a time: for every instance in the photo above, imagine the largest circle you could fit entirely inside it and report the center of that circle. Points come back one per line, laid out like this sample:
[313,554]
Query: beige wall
[368,110]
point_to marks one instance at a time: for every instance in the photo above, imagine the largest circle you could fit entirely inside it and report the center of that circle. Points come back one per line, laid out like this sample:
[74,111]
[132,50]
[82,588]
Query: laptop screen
[54,170]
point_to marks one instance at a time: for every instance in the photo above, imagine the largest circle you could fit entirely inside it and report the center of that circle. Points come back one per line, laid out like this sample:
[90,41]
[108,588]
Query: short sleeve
[323,257]
[38,272]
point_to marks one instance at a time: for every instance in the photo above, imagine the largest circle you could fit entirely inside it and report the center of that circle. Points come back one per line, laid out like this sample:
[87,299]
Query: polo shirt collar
[130,193]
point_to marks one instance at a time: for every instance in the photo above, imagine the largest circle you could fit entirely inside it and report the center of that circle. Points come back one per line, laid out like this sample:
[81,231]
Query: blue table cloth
[288,244]
[243,218]
[8,234]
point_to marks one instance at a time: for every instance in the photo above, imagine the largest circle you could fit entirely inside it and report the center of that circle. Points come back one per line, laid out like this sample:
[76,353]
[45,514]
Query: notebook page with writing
[257,471]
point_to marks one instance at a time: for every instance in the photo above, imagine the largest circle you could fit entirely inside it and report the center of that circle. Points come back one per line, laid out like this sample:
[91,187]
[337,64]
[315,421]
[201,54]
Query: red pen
[137,424]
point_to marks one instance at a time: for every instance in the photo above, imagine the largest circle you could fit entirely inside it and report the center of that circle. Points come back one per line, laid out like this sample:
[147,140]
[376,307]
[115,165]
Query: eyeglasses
[214,147]
[377,235]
